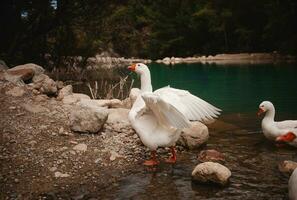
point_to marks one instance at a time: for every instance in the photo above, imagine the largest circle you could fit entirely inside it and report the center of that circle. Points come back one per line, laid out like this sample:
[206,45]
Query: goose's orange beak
[260,111]
[132,67]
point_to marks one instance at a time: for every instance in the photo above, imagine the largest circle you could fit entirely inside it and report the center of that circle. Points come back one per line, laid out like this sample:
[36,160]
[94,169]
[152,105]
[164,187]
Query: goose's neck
[270,114]
[146,85]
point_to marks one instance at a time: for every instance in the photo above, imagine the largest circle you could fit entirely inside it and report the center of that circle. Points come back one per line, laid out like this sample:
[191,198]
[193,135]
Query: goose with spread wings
[158,117]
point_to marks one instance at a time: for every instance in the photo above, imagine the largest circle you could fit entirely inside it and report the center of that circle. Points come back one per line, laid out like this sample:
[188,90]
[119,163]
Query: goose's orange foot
[172,159]
[151,162]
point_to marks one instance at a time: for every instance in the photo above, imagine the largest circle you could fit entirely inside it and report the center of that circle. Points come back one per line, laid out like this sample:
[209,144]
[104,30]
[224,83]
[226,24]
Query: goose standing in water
[158,117]
[272,129]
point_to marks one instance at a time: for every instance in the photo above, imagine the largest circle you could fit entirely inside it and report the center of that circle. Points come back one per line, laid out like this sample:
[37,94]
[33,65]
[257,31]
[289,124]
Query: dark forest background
[147,29]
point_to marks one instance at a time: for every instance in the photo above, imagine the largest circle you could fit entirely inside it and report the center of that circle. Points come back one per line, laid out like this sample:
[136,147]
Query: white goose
[293,185]
[159,117]
[271,129]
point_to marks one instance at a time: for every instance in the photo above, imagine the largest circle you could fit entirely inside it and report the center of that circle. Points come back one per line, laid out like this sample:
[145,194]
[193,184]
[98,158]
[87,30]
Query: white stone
[211,172]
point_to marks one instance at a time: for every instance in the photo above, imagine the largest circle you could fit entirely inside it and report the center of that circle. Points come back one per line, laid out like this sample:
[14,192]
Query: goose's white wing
[288,124]
[192,107]
[166,114]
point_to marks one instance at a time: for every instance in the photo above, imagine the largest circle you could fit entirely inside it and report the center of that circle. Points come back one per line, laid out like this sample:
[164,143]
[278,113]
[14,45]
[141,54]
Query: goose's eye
[262,106]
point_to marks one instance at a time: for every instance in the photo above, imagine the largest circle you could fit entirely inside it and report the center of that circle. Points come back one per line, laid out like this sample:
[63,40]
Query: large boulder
[195,136]
[88,119]
[211,172]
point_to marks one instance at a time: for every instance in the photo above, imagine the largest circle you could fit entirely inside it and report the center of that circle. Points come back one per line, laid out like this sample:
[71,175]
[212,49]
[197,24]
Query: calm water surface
[238,90]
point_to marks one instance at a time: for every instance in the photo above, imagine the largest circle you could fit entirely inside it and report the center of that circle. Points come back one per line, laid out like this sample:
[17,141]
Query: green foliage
[142,28]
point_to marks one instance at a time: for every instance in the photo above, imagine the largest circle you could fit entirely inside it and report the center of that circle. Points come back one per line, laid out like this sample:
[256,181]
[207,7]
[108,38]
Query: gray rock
[65,91]
[211,155]
[16,91]
[88,119]
[211,172]
[287,166]
[194,136]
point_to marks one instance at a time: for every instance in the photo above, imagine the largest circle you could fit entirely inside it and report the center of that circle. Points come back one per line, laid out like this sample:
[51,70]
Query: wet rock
[194,136]
[16,91]
[61,175]
[75,98]
[80,147]
[287,166]
[211,172]
[65,91]
[211,155]
[88,119]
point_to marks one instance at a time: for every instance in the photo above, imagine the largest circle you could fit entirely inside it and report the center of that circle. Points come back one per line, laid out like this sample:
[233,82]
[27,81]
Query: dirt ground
[41,158]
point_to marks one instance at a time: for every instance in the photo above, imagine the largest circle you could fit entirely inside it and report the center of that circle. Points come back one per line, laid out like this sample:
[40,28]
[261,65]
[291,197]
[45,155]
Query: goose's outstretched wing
[166,114]
[192,107]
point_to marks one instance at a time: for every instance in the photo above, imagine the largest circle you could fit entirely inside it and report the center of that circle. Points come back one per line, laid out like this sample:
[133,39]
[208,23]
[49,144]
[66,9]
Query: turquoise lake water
[233,88]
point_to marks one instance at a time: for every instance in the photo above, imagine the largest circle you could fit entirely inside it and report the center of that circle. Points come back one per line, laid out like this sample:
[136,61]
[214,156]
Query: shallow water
[237,90]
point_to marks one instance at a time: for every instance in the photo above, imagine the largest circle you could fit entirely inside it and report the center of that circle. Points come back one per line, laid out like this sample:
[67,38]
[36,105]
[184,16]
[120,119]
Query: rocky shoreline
[53,138]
